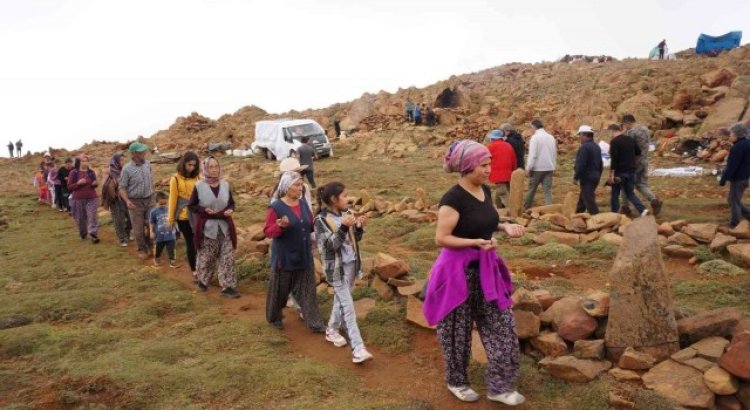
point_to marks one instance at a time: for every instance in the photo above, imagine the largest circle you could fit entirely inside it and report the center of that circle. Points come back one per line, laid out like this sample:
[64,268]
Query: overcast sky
[73,71]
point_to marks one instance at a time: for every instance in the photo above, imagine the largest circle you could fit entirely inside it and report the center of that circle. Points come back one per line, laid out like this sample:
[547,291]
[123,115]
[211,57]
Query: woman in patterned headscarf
[470,283]
[112,201]
[215,236]
[289,222]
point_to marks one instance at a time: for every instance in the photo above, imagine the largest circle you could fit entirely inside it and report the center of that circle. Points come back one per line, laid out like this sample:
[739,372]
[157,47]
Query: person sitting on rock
[470,283]
[588,170]
[737,173]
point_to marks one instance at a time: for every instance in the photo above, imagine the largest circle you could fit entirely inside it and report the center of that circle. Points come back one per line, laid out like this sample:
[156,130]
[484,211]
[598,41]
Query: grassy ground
[107,331]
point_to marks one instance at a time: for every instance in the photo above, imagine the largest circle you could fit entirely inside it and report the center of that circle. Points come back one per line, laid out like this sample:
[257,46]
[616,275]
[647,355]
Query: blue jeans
[343,306]
[627,181]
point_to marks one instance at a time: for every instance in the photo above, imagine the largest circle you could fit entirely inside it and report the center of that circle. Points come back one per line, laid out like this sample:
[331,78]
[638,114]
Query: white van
[279,139]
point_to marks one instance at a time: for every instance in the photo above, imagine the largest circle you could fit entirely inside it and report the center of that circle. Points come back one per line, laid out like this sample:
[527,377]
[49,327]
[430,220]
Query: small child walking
[161,233]
[338,232]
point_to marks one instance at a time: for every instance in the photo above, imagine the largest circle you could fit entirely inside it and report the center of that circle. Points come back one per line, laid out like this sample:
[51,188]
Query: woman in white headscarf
[289,222]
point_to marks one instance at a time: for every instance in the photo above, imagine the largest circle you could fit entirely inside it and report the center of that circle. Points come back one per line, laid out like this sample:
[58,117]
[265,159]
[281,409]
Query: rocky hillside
[688,98]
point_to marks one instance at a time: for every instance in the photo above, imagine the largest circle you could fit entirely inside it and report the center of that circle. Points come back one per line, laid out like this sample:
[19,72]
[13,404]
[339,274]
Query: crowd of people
[414,113]
[469,284]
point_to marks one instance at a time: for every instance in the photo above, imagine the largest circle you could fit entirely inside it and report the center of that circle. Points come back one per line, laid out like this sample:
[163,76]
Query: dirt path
[416,375]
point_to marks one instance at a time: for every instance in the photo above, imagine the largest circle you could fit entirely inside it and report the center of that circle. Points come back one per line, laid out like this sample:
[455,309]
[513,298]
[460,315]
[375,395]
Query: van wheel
[269,155]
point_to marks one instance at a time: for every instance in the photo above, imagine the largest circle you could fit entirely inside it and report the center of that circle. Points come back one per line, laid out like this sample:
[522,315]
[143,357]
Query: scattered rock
[720,381]
[721,241]
[736,360]
[589,349]
[545,297]
[740,252]
[596,304]
[414,312]
[699,363]
[384,290]
[679,224]
[704,233]
[665,229]
[619,402]
[624,375]
[569,319]
[550,344]
[718,322]
[570,239]
[576,370]
[682,239]
[363,307]
[726,111]
[524,299]
[402,281]
[388,267]
[680,383]
[679,251]
[718,77]
[742,230]
[632,359]
[527,324]
[711,348]
[414,289]
[612,238]
[603,220]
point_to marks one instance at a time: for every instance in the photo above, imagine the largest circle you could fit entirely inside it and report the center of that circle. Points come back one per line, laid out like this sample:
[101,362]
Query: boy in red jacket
[502,165]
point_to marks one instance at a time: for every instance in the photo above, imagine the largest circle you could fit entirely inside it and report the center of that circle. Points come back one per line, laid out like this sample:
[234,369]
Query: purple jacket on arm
[447,288]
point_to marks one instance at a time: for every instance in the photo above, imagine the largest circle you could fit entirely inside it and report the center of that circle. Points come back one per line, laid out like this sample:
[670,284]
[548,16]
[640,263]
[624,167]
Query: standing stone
[517,181]
[641,314]
[570,203]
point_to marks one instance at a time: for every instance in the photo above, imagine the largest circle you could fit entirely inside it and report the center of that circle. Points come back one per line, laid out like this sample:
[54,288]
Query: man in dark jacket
[516,141]
[588,170]
[737,173]
[623,151]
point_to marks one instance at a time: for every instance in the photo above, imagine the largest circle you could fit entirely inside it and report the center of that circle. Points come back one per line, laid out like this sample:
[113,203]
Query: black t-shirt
[475,219]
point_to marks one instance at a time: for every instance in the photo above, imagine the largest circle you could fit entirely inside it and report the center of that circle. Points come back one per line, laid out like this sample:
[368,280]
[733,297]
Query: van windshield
[304,130]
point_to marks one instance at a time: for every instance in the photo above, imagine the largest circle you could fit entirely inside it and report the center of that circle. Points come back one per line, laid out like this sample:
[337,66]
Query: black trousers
[160,248]
[587,198]
[310,177]
[187,233]
[301,284]
[59,196]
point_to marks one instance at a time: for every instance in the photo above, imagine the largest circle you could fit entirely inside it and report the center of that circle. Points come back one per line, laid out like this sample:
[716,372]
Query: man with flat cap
[137,191]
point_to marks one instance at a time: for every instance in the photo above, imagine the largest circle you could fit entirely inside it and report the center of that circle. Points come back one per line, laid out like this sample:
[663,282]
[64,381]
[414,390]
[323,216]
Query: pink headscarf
[465,155]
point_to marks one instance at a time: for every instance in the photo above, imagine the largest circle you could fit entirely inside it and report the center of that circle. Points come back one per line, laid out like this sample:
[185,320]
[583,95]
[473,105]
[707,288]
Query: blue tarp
[709,44]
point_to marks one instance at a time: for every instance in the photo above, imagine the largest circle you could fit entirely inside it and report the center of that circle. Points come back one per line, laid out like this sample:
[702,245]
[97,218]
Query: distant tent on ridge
[714,45]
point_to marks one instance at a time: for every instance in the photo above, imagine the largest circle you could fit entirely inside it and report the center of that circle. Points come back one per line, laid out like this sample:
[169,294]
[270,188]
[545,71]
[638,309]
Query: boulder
[665,229]
[682,239]
[565,238]
[387,267]
[721,241]
[363,307]
[384,290]
[740,252]
[742,230]
[556,219]
[603,220]
[704,233]
[596,304]
[718,322]
[736,360]
[550,344]
[718,77]
[641,313]
[643,107]
[720,381]
[612,238]
[569,319]
[527,324]
[576,225]
[545,298]
[678,224]
[624,375]
[680,383]
[515,197]
[725,112]
[572,369]
[632,359]
[589,349]
[711,348]
[414,312]
[679,251]
[524,299]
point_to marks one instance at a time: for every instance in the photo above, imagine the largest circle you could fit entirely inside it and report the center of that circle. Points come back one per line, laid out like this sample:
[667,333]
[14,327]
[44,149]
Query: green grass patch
[552,251]
[720,267]
[525,240]
[598,249]
[703,254]
[386,327]
[712,294]
[421,239]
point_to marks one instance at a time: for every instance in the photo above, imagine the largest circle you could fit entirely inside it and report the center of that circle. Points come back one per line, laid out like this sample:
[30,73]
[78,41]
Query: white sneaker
[464,393]
[513,398]
[361,355]
[645,212]
[335,337]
